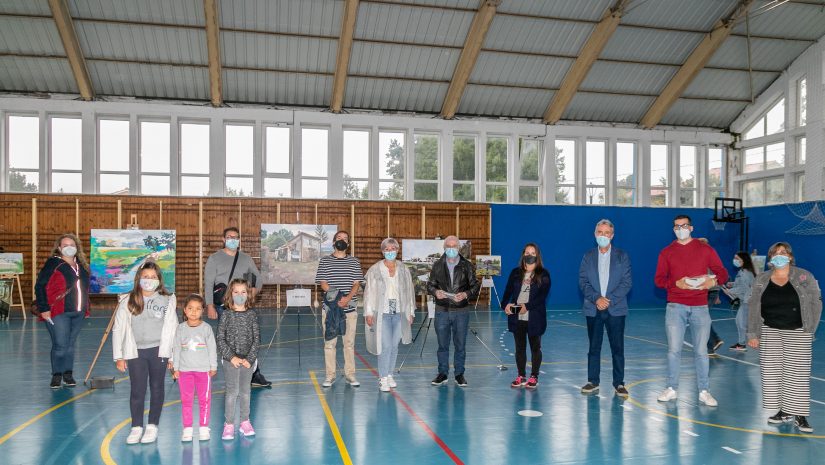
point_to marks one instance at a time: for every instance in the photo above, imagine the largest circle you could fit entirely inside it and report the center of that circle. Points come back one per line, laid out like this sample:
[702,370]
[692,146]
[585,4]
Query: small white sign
[424,277]
[430,308]
[298,298]
[487,282]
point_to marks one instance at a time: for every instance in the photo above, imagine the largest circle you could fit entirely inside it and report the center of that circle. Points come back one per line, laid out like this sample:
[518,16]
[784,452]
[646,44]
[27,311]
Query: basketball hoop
[719,225]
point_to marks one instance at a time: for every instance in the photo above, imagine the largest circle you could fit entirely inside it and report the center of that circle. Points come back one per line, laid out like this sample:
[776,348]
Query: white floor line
[657,419]
[627,407]
[600,396]
[723,319]
[559,379]
[731,449]
[818,402]
[690,433]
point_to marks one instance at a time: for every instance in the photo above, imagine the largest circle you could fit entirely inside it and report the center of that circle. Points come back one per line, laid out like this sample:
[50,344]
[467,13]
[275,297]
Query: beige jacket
[123,341]
[375,300]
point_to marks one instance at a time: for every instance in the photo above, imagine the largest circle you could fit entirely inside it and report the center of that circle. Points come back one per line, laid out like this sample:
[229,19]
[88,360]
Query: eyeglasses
[681,226]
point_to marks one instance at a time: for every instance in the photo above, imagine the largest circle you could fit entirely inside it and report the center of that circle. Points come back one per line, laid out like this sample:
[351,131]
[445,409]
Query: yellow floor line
[342,448]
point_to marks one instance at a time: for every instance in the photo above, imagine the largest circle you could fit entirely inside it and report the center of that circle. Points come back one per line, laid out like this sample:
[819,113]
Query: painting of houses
[419,256]
[488,265]
[290,252]
[11,263]
[117,254]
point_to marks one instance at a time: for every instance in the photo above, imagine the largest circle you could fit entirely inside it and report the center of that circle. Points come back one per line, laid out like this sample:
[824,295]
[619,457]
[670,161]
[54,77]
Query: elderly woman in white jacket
[142,338]
[389,309]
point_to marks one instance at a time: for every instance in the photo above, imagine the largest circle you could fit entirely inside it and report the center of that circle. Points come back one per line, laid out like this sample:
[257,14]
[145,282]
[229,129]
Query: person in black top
[453,283]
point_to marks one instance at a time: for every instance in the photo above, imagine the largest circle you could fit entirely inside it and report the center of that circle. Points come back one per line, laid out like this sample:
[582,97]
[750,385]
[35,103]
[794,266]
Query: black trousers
[148,367]
[521,338]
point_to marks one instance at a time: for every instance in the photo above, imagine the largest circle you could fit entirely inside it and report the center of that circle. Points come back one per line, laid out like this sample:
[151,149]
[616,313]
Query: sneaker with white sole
[186,436]
[391,382]
[150,435]
[247,429]
[353,381]
[383,384]
[203,433]
[707,399]
[134,435]
[228,432]
[668,395]
[328,382]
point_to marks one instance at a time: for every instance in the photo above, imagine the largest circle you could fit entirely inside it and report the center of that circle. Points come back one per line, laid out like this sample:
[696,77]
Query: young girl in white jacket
[142,338]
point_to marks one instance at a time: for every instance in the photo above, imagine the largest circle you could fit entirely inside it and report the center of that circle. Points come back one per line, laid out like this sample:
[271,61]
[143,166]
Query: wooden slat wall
[57,214]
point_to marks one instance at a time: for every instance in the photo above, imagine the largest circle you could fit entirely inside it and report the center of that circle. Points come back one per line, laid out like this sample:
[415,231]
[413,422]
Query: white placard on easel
[430,307]
[487,282]
[298,298]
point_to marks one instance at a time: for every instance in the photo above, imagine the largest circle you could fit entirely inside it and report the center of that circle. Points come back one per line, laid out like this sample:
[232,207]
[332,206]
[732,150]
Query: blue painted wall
[564,233]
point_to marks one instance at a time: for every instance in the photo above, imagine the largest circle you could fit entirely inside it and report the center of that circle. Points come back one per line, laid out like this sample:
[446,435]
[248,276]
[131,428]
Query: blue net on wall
[812,216]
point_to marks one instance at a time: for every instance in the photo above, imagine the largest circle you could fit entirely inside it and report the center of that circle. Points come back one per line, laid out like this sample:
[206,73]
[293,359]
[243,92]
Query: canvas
[116,254]
[6,286]
[488,265]
[290,252]
[419,256]
[11,263]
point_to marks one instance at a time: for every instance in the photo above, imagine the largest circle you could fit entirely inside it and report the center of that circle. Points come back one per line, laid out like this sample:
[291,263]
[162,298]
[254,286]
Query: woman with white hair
[389,309]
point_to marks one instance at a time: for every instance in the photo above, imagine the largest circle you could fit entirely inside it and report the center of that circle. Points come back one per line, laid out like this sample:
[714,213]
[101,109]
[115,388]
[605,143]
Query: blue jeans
[615,335]
[390,337]
[677,319]
[64,333]
[453,324]
[742,323]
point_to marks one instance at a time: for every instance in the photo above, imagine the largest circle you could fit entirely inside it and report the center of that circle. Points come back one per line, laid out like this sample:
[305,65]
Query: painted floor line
[732,450]
[339,441]
[690,433]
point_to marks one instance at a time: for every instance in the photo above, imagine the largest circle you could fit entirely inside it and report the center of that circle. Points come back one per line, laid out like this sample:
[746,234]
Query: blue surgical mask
[239,299]
[780,261]
[451,252]
[232,244]
[603,241]
[682,234]
[390,255]
[737,263]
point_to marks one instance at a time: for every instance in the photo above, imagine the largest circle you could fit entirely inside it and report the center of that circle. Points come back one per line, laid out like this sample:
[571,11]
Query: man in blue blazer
[605,280]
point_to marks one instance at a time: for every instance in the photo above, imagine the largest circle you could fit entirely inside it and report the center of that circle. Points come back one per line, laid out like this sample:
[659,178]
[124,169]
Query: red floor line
[418,419]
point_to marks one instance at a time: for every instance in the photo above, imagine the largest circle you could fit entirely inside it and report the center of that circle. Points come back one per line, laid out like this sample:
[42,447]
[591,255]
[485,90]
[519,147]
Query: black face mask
[529,259]
[341,245]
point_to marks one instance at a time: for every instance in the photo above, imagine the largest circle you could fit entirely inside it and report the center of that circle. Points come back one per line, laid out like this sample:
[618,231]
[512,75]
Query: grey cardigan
[810,299]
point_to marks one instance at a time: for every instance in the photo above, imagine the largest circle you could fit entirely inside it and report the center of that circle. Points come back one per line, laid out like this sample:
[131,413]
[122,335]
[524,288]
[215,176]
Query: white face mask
[149,284]
[69,251]
[682,234]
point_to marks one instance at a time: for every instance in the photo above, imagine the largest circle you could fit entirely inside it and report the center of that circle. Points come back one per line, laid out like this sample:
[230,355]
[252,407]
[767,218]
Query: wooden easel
[15,278]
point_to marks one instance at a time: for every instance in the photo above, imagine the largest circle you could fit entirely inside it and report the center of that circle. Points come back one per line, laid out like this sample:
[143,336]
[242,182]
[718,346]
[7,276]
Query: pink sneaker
[228,431]
[247,429]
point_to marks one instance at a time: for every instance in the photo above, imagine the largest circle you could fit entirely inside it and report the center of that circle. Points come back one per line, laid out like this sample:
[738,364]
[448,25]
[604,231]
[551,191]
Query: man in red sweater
[682,270]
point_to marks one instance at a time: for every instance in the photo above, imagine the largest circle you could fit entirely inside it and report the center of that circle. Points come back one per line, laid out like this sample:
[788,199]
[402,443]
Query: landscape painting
[488,265]
[11,263]
[290,252]
[419,256]
[117,254]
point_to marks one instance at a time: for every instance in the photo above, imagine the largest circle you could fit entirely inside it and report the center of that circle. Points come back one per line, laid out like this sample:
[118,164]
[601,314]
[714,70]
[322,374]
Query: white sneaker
[391,382]
[134,435]
[328,382]
[707,399]
[353,381]
[150,435]
[203,433]
[383,385]
[186,436]
[667,395]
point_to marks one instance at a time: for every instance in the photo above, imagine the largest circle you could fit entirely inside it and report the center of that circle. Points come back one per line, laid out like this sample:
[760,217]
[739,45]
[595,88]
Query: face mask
[341,245]
[69,251]
[603,241]
[390,255]
[451,252]
[149,284]
[737,263]
[232,244]
[530,259]
[239,299]
[682,234]
[780,261]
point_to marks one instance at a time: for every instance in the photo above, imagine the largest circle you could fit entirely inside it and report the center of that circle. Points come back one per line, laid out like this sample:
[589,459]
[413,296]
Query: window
[800,187]
[687,176]
[529,170]
[113,156]
[769,191]
[239,152]
[595,166]
[801,150]
[155,146]
[425,185]
[194,159]
[24,153]
[496,169]
[625,173]
[66,153]
[464,168]
[277,177]
[765,157]
[802,102]
[773,122]
[566,171]
[715,175]
[391,160]
[314,162]
[356,164]
[659,177]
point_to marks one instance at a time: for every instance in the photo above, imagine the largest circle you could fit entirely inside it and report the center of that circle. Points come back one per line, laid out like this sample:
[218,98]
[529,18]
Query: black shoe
[439,380]
[802,424]
[717,345]
[459,379]
[779,418]
[590,388]
[621,391]
[57,381]
[258,380]
[68,380]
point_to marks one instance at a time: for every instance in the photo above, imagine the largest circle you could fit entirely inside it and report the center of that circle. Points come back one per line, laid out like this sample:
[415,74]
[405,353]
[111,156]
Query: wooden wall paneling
[16,233]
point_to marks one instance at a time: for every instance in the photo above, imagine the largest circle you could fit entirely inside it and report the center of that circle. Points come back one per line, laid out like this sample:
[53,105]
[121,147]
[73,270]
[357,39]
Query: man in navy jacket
[605,280]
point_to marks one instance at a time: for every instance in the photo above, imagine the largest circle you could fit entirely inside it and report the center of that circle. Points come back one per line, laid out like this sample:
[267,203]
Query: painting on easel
[6,286]
[117,254]
[290,253]
[11,263]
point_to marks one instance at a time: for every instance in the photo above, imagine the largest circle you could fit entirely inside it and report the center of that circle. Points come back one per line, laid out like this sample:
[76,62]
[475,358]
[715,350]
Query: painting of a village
[488,265]
[419,256]
[117,254]
[290,252]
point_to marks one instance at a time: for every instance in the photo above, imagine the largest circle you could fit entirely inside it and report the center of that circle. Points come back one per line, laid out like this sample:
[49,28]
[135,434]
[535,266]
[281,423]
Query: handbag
[33,308]
[219,290]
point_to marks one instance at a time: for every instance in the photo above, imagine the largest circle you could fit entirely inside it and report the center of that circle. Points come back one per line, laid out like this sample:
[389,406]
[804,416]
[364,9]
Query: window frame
[368,179]
[438,159]
[473,182]
[668,187]
[50,117]
[182,175]
[485,182]
[696,172]
[300,160]
[635,184]
[130,172]
[289,175]
[574,162]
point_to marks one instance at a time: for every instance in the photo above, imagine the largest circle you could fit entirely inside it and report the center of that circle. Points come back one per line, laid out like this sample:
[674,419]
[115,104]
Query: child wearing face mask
[142,339]
[238,339]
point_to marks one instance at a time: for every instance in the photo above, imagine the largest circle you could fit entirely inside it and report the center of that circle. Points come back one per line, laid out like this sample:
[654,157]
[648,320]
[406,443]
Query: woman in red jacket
[62,291]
